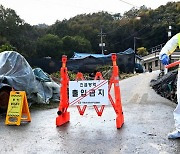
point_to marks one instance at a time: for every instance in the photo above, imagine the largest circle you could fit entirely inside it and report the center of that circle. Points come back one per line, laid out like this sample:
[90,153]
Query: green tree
[119,30]
[49,45]
[82,44]
[18,33]
[7,47]
[3,40]
[10,23]
[142,51]
[73,44]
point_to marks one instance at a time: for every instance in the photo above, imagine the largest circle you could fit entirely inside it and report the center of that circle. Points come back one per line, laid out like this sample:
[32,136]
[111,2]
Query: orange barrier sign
[85,93]
[88,92]
[18,109]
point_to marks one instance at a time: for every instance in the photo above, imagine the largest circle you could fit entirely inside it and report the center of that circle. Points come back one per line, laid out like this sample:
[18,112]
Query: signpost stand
[89,93]
[18,109]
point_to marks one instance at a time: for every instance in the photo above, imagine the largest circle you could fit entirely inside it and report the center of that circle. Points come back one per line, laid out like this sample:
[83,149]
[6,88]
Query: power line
[49,2]
[129,36]
[118,27]
[128,20]
[129,3]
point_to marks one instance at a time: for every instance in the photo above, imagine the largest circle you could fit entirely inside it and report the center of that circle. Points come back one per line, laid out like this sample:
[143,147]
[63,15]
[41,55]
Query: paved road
[148,120]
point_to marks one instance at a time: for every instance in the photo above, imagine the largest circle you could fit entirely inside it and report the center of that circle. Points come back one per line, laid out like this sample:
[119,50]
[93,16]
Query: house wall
[152,61]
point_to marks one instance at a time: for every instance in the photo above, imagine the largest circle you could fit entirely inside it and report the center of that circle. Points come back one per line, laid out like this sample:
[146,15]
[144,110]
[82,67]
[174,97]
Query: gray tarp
[17,73]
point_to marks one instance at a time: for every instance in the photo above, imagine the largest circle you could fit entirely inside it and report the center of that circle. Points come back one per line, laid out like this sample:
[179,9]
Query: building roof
[128,51]
[139,57]
[85,55]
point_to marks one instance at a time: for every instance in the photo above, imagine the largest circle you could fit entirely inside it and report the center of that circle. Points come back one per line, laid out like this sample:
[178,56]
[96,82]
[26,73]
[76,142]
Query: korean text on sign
[88,92]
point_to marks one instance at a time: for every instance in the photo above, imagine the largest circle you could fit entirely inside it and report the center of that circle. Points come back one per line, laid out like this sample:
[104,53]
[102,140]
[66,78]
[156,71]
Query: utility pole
[135,38]
[169,37]
[102,45]
[135,45]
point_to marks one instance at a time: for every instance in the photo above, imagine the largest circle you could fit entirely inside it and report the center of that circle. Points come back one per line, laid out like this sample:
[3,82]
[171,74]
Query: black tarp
[88,64]
[166,85]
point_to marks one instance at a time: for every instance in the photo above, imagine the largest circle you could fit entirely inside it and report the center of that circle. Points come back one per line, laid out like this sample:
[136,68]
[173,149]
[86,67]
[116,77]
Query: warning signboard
[14,106]
[18,108]
[88,92]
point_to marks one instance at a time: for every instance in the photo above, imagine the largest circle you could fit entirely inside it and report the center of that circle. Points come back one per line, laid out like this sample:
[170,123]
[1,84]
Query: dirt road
[148,120]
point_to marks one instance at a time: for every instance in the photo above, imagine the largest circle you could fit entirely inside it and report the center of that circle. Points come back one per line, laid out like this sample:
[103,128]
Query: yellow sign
[18,108]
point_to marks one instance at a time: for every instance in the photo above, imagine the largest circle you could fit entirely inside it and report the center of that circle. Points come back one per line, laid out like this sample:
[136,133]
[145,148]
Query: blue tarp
[85,55]
[88,63]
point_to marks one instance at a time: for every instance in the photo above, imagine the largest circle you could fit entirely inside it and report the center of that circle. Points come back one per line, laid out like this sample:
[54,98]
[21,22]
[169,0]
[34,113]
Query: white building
[152,60]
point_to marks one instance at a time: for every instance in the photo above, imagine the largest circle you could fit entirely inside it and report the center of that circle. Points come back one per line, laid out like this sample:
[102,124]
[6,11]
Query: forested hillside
[82,33]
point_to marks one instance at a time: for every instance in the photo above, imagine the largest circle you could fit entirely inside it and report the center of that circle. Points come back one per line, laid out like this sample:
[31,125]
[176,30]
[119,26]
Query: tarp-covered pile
[166,85]
[88,63]
[17,73]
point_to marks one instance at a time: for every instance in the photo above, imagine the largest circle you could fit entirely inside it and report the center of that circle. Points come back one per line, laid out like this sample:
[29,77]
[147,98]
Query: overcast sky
[48,11]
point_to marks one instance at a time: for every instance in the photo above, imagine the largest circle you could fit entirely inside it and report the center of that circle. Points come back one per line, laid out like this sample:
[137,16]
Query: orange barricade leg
[117,104]
[99,112]
[79,76]
[63,115]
